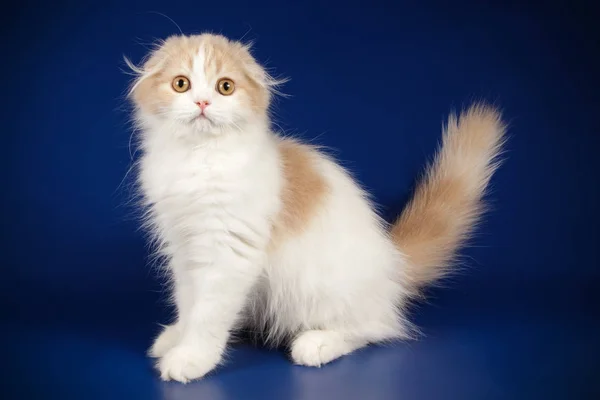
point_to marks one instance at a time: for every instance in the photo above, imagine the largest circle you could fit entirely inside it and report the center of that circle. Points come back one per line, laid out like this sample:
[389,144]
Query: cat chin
[212,130]
[204,125]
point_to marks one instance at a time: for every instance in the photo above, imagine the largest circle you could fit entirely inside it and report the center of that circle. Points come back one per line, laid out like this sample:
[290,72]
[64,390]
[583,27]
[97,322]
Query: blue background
[373,80]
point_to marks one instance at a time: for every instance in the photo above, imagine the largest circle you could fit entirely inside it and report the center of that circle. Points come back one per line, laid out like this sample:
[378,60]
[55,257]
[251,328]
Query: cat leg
[183,297]
[219,292]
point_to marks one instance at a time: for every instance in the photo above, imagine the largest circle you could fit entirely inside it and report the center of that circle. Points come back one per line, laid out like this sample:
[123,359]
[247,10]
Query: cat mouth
[203,122]
[202,117]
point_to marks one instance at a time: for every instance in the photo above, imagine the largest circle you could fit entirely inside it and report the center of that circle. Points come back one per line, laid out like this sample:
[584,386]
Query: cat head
[202,84]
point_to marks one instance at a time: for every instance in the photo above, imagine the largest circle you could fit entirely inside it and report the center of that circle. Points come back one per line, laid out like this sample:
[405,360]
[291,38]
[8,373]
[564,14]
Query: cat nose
[203,104]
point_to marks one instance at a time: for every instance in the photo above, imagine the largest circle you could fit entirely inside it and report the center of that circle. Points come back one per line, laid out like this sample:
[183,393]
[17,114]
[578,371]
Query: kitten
[271,234]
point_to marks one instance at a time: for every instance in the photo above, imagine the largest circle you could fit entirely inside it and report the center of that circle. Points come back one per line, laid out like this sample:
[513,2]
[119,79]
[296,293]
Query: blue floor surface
[506,345]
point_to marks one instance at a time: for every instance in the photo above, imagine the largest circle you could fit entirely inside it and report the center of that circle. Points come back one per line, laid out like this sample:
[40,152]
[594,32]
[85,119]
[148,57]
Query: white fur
[212,199]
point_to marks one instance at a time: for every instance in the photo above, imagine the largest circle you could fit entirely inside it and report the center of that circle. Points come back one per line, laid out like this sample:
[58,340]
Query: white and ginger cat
[271,235]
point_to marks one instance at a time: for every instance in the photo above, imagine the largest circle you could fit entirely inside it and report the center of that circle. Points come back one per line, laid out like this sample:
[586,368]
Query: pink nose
[203,104]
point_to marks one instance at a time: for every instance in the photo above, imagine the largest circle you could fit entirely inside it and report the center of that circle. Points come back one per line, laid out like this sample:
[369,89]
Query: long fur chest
[204,196]
[191,176]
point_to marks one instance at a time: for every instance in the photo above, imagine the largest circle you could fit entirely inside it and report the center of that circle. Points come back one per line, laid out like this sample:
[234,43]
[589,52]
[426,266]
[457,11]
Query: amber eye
[225,86]
[181,84]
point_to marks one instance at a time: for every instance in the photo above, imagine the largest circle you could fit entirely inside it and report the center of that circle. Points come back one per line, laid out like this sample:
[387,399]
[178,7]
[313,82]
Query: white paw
[315,348]
[184,363]
[167,339]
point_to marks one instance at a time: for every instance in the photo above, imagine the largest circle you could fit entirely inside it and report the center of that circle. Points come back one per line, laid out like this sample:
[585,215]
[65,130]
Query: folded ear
[152,63]
[256,72]
[160,53]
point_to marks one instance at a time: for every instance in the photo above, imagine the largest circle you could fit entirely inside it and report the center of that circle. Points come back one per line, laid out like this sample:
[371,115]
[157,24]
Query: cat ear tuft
[140,73]
[133,69]
[249,45]
[274,83]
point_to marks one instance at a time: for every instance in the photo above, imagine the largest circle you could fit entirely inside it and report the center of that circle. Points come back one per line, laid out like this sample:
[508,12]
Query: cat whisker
[169,18]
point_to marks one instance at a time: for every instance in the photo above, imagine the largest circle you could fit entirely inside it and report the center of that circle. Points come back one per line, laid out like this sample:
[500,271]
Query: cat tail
[448,202]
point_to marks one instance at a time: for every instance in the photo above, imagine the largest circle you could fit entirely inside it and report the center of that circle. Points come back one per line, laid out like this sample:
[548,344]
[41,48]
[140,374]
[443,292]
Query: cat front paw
[316,348]
[185,363]
[167,339]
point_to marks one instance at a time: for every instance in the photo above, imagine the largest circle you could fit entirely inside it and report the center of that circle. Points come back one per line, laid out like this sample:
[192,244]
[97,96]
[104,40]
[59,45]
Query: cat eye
[225,86]
[181,84]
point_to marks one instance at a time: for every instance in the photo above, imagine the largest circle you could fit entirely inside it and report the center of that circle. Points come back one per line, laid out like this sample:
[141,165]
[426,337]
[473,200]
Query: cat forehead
[204,54]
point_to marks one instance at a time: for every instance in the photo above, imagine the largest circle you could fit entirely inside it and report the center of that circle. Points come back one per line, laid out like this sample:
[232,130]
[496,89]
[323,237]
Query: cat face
[206,83]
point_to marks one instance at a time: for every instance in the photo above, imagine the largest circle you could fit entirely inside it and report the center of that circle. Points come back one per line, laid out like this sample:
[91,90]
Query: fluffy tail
[448,202]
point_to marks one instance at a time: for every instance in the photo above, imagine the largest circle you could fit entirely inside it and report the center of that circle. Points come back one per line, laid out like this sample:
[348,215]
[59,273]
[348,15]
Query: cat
[271,234]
